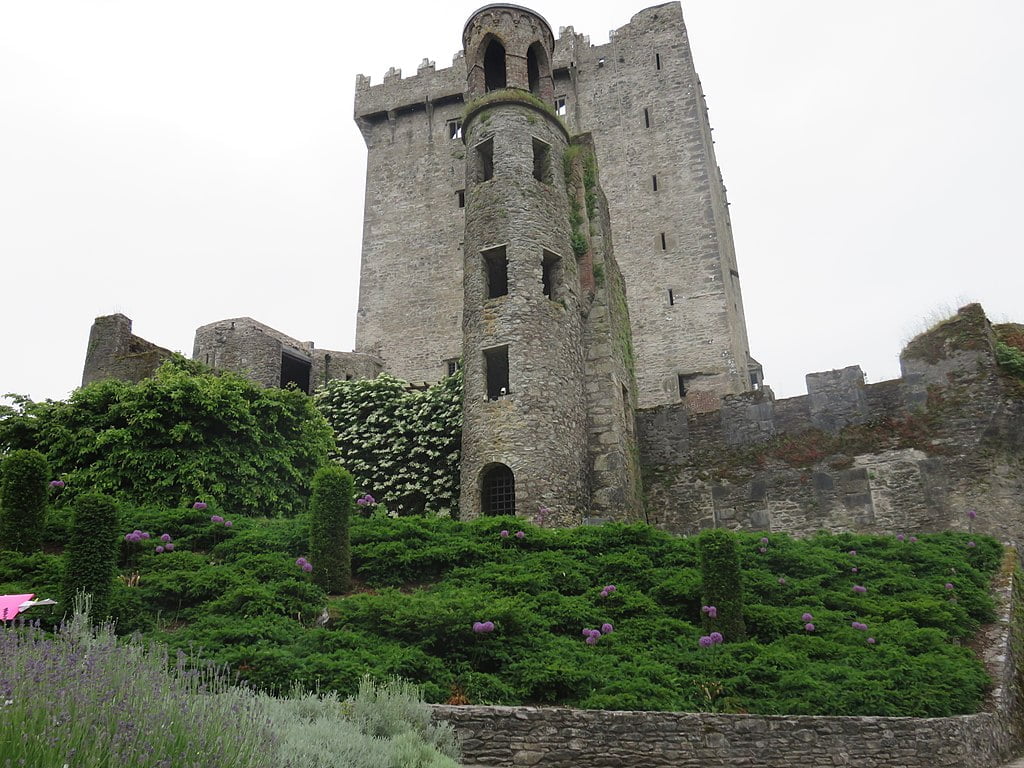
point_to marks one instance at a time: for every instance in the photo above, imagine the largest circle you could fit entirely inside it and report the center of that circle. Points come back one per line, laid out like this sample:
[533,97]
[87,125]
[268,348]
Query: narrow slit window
[664,242]
[551,275]
[681,382]
[452,366]
[671,298]
[647,118]
[460,195]
[541,161]
[560,108]
[654,183]
[454,129]
[657,61]
[495,272]
[496,371]
[485,160]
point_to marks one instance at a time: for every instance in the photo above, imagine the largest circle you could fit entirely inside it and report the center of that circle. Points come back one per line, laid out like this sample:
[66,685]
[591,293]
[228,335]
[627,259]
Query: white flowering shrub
[400,443]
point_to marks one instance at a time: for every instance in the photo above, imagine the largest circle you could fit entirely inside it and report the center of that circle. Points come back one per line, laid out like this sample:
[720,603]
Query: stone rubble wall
[114,352]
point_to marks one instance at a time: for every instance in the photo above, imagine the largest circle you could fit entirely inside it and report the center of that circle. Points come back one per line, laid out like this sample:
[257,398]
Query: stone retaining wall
[569,738]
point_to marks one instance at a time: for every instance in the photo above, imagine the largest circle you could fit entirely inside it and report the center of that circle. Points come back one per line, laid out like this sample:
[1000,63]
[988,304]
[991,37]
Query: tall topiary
[23,481]
[722,585]
[91,553]
[330,510]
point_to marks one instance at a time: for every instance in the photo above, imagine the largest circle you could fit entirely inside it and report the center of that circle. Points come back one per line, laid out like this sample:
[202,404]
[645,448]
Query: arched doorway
[497,490]
[495,77]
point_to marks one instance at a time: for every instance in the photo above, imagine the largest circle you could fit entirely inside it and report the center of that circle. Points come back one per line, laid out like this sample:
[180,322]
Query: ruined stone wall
[909,455]
[114,352]
[567,738]
[254,350]
[640,97]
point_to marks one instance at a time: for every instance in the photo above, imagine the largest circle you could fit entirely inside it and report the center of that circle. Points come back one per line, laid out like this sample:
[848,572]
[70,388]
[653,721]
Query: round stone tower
[524,415]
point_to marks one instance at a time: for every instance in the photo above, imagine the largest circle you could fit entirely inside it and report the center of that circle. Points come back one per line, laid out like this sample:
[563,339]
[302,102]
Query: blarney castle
[549,215]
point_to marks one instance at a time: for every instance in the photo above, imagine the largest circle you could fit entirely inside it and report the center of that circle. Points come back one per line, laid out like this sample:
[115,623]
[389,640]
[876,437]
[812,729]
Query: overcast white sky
[183,162]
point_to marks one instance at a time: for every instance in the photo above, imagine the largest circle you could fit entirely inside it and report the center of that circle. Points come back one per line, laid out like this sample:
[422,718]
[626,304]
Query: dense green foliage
[91,553]
[423,582]
[23,483]
[184,434]
[330,514]
[400,444]
[722,585]
[1011,359]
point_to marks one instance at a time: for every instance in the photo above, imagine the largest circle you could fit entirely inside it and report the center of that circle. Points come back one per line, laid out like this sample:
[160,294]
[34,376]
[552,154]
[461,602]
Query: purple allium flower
[504,534]
[703,609]
[590,640]
[807,617]
[307,567]
[300,561]
[586,632]
[595,633]
[808,627]
[705,641]
[859,625]
[949,585]
[971,514]
[900,537]
[762,550]
[913,539]
[159,550]
[610,588]
[716,637]
[782,580]
[764,540]
[199,505]
[366,501]
[228,523]
[56,483]
[853,553]
[712,612]
[478,626]
[488,626]
[169,547]
[971,544]
[859,589]
[871,641]
[854,570]
[607,629]
[128,537]
[520,535]
[143,534]
[216,519]
[165,537]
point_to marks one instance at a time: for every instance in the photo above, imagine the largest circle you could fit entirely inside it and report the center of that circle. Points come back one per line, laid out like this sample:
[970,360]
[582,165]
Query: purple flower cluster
[808,627]
[304,564]
[366,501]
[949,585]
[971,544]
[56,483]
[136,536]
[782,580]
[853,553]
[807,617]
[858,625]
[542,513]
[860,590]
[715,638]
[519,534]
[199,505]
[218,520]
[971,514]
[710,610]
[871,641]
[483,627]
[591,636]
[607,590]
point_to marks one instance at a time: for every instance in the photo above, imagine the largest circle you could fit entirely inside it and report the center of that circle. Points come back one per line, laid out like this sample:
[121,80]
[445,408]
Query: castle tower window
[460,195]
[485,160]
[647,118]
[454,129]
[496,371]
[533,70]
[541,161]
[560,108]
[657,61]
[671,298]
[664,242]
[495,77]
[498,491]
[495,272]
[295,370]
[452,366]
[654,183]
[551,275]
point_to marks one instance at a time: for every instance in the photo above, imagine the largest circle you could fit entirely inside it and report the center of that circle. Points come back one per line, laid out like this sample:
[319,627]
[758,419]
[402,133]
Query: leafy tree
[23,500]
[330,512]
[401,444]
[91,553]
[184,434]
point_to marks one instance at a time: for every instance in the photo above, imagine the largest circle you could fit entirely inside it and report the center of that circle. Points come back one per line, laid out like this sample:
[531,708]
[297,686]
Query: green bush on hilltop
[24,475]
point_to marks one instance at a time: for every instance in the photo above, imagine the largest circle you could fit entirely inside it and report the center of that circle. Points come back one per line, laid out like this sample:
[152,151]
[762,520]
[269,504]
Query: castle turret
[525,423]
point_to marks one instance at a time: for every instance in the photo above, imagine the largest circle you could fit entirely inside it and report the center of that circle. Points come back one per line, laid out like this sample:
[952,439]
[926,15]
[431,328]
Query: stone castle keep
[560,211]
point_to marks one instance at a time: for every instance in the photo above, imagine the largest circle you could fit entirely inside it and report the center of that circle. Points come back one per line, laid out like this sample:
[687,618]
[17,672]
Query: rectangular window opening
[657,61]
[496,371]
[452,366]
[654,183]
[681,381]
[495,272]
[647,118]
[671,298]
[541,161]
[664,242]
[551,275]
[295,370]
[454,129]
[734,273]
[560,109]
[461,196]
[485,160]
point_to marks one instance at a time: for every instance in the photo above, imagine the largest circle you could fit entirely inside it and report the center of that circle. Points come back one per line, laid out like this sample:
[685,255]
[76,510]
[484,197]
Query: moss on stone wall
[965,331]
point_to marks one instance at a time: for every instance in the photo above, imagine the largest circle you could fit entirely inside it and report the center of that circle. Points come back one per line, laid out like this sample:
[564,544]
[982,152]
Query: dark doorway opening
[494,67]
[295,370]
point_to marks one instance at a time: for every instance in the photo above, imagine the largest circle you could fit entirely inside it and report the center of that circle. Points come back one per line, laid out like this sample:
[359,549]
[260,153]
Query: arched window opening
[498,491]
[537,68]
[494,66]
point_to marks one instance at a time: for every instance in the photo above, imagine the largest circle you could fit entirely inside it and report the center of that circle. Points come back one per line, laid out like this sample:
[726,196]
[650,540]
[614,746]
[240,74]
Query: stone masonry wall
[908,455]
[568,738]
[114,352]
